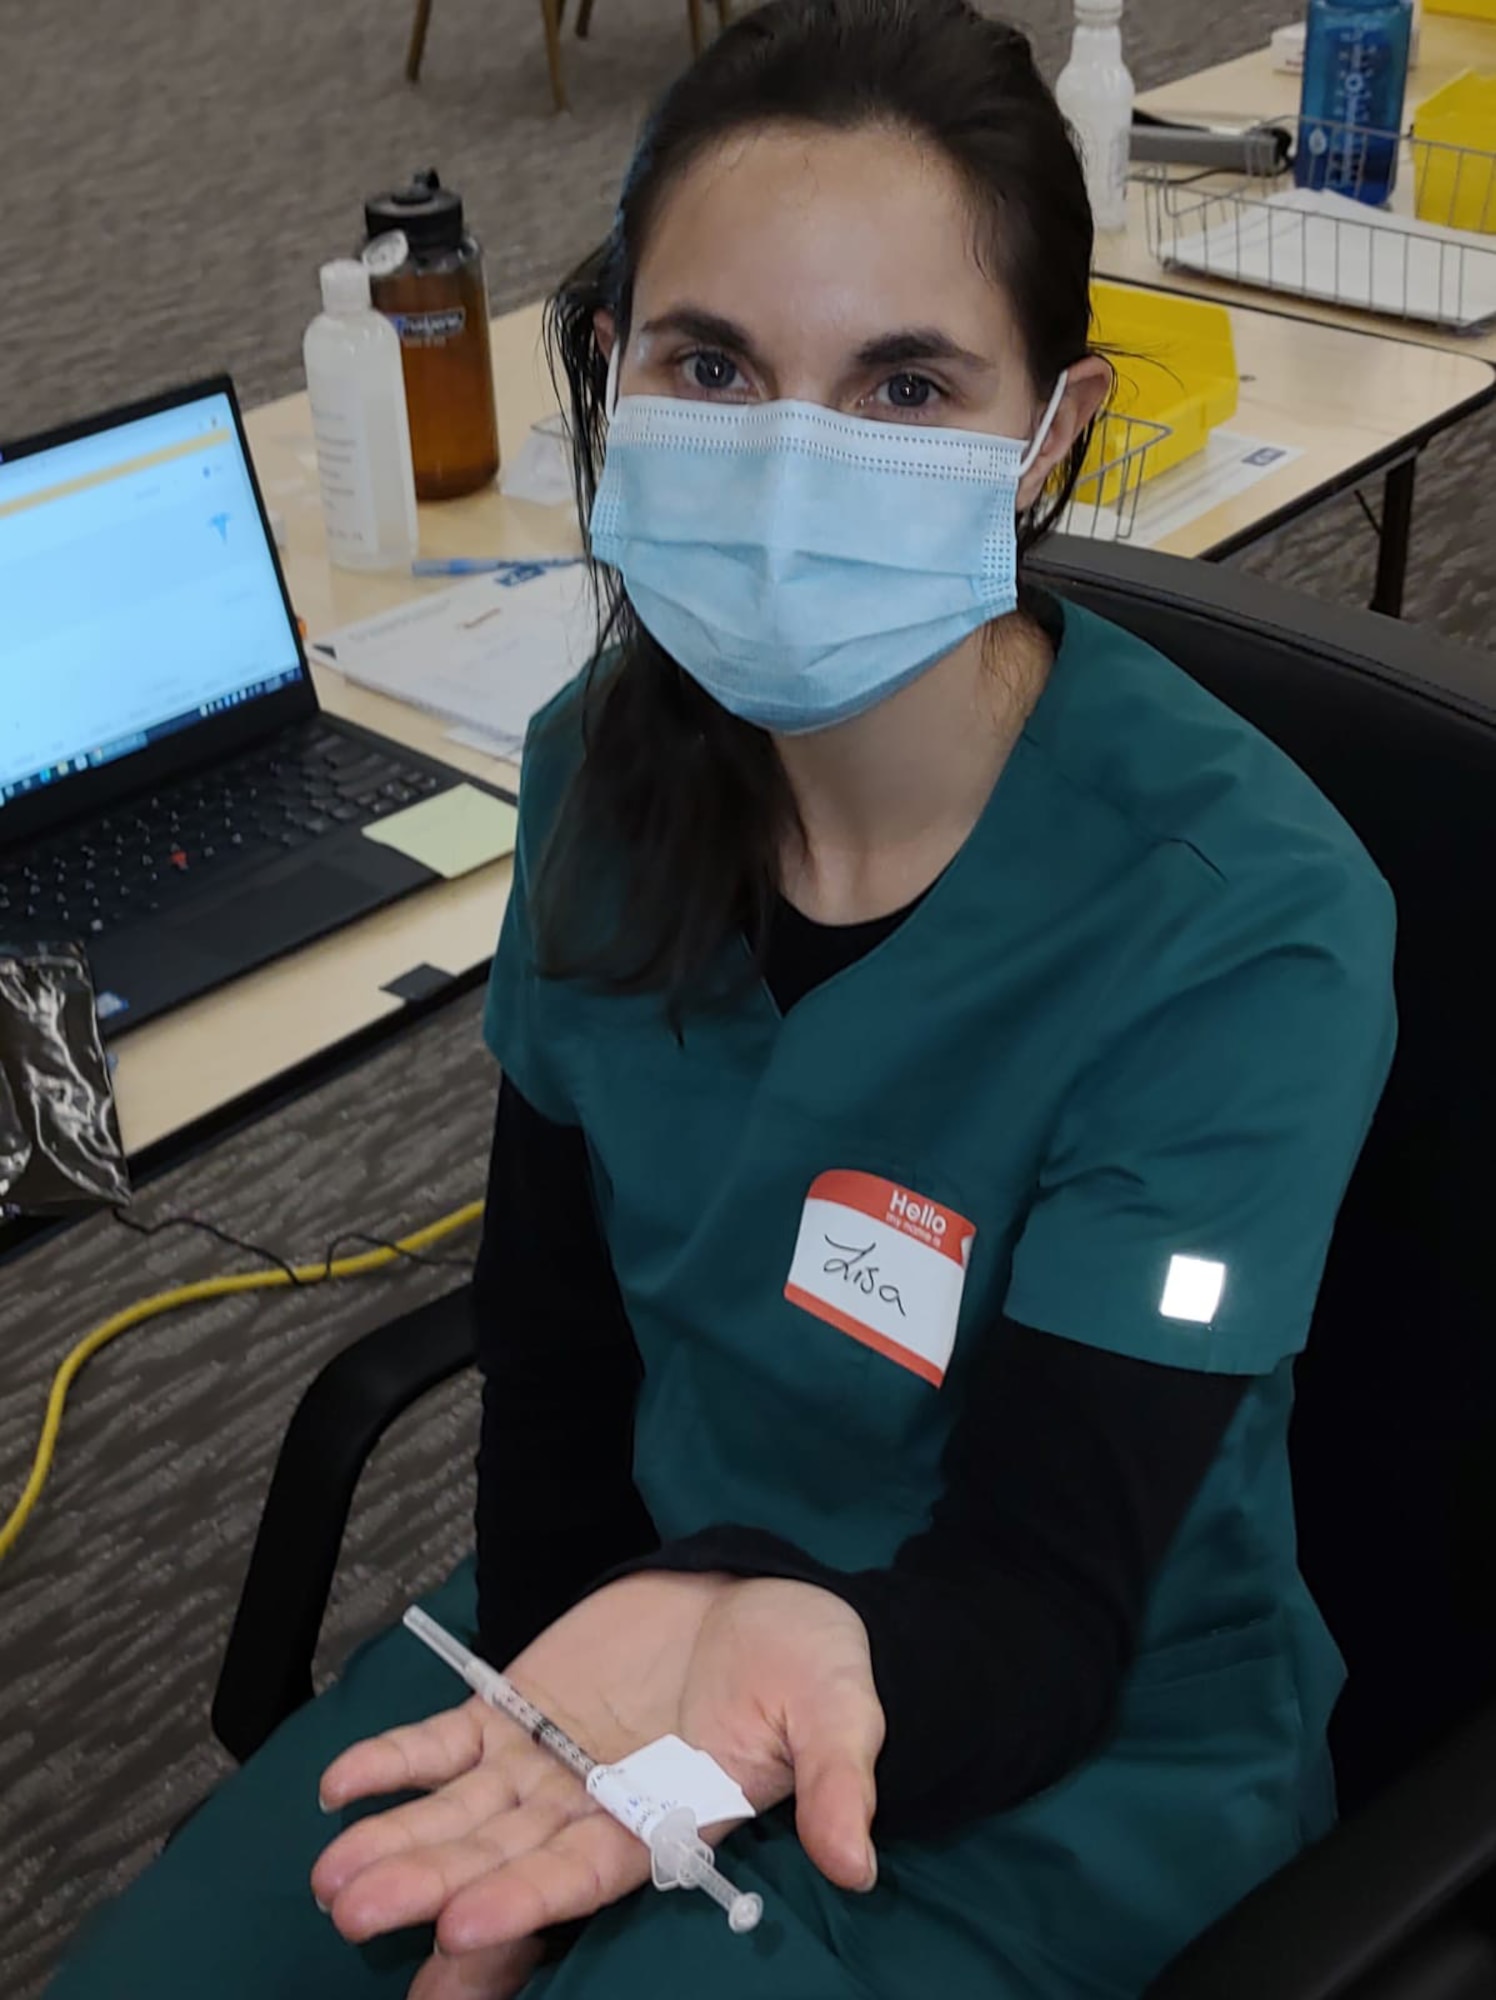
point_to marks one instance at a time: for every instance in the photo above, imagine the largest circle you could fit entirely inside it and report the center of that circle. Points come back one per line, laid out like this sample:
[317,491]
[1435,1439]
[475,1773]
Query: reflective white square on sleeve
[1192,1289]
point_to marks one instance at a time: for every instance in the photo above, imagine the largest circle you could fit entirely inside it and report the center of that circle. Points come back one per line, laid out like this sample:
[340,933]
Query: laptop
[170,792]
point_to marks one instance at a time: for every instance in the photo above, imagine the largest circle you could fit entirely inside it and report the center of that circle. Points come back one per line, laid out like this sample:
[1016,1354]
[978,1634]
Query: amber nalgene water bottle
[437,301]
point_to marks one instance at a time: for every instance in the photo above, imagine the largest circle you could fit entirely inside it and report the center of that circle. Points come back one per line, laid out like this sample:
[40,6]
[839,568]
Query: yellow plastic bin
[1468,10]
[1176,365]
[1454,154]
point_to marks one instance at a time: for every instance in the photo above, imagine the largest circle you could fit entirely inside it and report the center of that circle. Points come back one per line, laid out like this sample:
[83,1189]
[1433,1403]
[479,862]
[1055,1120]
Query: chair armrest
[1453,1961]
[1347,1904]
[351,1403]
[1172,601]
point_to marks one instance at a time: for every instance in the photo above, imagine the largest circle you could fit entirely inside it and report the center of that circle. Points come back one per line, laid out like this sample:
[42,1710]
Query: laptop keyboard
[134,860]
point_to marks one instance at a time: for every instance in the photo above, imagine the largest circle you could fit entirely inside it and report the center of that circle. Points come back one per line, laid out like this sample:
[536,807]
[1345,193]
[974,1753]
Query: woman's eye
[711,371]
[909,392]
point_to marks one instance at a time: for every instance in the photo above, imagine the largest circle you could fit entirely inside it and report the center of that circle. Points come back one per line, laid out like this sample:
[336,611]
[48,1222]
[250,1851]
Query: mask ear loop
[610,393]
[1046,422]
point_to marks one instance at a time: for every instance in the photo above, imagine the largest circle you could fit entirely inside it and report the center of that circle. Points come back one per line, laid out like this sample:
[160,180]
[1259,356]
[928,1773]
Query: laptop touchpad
[262,920]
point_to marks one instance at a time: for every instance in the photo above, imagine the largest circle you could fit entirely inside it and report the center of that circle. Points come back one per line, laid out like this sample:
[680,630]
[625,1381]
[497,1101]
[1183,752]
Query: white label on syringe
[641,1788]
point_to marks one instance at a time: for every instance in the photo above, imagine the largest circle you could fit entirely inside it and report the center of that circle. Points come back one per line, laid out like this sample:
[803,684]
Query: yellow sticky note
[453,833]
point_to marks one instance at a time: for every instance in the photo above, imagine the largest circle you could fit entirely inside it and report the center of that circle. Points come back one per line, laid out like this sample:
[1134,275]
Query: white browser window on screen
[137,592]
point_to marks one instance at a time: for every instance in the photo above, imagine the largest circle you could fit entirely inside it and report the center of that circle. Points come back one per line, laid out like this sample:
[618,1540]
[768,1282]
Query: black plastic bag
[59,1135]
[15,1147]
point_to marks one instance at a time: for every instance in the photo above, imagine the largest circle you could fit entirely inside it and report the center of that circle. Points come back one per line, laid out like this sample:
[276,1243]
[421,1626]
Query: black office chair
[1394,1441]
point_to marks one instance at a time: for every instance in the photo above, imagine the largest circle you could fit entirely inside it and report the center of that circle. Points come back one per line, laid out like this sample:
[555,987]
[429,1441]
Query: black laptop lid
[145,627]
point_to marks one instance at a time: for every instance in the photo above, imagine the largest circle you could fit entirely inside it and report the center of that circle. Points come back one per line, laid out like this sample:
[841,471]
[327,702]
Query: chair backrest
[1394,1439]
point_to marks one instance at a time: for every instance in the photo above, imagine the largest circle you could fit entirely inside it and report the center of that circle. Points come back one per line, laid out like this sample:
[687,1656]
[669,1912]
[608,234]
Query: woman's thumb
[835,1738]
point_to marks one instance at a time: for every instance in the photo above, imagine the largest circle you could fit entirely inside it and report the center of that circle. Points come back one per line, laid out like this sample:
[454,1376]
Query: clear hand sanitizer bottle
[356,386]
[1095,92]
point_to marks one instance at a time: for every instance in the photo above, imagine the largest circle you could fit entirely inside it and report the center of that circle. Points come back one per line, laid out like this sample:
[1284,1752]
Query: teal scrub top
[1109,1078]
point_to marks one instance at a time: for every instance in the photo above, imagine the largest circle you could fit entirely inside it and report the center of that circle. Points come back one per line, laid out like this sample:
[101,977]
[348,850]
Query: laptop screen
[138,592]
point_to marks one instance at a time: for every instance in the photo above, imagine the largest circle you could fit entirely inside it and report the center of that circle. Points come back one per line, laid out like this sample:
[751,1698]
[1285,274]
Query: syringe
[679,1857]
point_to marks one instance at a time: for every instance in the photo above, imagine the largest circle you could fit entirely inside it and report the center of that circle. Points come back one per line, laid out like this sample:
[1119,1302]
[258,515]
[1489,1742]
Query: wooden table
[1249,89]
[1358,405]
[1353,402]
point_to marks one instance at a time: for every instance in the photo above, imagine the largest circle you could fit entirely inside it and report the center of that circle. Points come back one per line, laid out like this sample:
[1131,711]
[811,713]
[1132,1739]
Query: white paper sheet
[1327,246]
[1228,464]
[491,746]
[485,654]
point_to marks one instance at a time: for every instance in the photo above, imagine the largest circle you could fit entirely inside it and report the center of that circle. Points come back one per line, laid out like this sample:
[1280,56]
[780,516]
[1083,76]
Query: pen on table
[482,565]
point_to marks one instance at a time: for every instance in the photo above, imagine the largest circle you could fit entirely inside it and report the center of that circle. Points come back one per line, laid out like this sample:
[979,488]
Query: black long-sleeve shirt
[999,1636]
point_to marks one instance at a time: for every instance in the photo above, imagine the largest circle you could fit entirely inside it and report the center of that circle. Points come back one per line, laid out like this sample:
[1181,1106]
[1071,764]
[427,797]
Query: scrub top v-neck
[1108,1079]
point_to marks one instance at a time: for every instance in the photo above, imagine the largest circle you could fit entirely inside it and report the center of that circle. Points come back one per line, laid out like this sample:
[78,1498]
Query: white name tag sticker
[883,1264]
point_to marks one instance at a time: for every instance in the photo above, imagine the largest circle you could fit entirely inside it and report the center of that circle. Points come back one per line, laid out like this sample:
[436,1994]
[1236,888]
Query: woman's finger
[415,1887]
[417,1757]
[588,1864]
[481,1975]
[453,1813]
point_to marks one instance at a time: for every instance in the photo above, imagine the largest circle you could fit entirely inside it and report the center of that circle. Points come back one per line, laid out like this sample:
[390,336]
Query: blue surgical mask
[801,565]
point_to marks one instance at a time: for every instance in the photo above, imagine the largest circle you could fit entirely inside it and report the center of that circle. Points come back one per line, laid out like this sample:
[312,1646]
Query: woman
[936,1037]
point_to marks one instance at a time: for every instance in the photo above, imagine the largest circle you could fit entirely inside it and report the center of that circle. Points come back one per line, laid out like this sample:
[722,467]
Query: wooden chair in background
[553,13]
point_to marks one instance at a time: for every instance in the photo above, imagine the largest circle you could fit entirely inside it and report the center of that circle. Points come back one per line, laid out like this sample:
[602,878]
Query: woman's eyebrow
[695,323]
[902,349]
[917,343]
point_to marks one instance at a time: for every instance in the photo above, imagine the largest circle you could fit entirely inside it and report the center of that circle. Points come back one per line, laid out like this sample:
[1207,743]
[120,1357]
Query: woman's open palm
[772,1678]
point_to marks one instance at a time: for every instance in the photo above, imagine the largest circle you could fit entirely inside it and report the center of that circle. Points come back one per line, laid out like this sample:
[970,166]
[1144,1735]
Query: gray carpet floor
[171,174]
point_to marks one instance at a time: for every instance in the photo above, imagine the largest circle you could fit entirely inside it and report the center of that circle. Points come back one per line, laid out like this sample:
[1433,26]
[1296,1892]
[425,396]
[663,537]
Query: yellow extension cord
[188,1295]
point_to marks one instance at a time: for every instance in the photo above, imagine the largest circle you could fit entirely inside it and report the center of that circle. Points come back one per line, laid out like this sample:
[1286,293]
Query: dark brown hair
[687,803]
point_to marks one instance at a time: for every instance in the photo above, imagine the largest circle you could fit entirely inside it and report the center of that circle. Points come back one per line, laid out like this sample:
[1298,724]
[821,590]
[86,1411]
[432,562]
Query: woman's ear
[604,331]
[1087,387]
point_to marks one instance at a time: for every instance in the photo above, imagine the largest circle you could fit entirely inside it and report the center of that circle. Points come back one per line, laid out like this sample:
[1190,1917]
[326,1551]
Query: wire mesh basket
[1104,504]
[1424,257]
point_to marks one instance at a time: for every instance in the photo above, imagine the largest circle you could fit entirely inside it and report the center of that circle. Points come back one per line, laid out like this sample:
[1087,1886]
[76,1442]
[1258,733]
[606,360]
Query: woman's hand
[773,1678]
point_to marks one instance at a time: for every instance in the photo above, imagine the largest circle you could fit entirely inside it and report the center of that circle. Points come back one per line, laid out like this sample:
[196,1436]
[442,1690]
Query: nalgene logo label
[430,329]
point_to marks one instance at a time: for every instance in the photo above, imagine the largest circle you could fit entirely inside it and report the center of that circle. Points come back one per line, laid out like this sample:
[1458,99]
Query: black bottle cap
[429,214]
